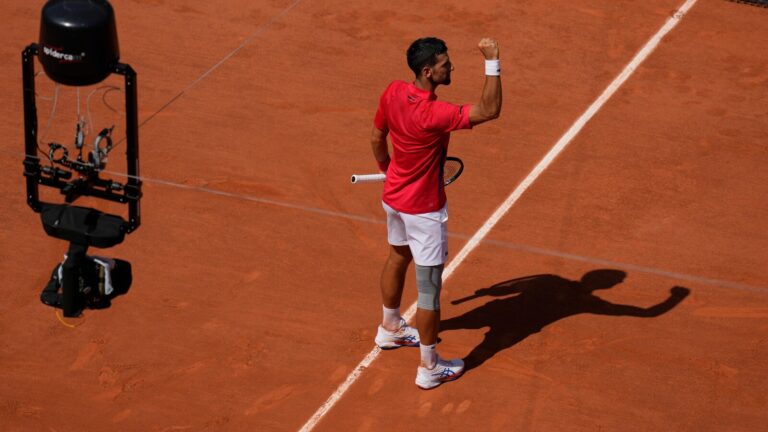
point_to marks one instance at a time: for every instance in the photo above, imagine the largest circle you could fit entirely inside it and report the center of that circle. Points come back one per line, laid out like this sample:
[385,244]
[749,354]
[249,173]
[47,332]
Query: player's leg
[429,284]
[428,239]
[393,331]
[393,279]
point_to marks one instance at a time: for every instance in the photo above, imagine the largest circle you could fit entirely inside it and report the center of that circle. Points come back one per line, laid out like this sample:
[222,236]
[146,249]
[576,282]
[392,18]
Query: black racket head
[452,169]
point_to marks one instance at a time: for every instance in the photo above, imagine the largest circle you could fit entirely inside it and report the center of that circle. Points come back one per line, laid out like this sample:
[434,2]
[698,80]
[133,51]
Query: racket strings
[451,169]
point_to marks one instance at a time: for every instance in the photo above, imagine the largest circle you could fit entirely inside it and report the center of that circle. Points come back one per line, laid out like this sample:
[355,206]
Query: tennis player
[419,127]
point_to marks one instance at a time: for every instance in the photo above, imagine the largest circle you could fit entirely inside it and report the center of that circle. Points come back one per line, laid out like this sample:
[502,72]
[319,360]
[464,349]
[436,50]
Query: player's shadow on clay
[533,302]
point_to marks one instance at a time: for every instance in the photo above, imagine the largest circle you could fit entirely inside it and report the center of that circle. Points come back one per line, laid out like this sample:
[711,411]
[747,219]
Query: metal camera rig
[78,47]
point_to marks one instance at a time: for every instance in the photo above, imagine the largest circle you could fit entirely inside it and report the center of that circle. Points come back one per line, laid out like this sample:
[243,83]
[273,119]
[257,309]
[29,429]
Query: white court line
[512,198]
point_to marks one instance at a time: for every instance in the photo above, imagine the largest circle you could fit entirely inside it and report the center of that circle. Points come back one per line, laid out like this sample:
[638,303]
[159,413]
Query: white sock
[391,318]
[428,355]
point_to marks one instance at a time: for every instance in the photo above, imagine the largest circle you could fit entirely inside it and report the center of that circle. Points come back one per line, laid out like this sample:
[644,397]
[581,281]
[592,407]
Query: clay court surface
[255,270]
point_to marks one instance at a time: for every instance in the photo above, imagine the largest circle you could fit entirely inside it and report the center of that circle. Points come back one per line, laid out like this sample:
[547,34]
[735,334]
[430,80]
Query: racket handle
[368,178]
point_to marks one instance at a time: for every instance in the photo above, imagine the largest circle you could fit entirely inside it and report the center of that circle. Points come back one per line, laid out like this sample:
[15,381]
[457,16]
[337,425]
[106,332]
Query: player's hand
[384,165]
[490,48]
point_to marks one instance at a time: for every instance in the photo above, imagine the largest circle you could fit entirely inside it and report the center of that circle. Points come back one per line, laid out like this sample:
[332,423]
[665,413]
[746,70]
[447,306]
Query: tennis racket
[451,171]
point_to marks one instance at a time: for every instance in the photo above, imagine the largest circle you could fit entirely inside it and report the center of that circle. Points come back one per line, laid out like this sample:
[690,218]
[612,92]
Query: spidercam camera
[78,46]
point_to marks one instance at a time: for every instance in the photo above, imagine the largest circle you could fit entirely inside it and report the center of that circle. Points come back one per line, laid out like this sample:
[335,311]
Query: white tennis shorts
[426,234]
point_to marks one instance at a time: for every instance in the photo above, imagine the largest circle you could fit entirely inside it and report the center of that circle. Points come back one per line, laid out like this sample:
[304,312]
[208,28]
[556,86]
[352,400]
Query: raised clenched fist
[490,48]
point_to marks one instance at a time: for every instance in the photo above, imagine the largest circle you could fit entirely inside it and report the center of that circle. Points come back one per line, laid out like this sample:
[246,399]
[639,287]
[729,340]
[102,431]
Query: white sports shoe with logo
[444,371]
[404,336]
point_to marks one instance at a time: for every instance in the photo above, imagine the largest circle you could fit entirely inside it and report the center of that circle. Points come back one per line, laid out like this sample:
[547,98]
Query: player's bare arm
[489,106]
[379,146]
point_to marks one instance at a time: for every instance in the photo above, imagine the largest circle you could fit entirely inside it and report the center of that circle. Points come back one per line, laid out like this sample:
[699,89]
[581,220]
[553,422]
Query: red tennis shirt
[419,127]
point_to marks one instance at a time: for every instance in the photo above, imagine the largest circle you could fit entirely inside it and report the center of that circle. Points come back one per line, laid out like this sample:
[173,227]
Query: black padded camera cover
[84,226]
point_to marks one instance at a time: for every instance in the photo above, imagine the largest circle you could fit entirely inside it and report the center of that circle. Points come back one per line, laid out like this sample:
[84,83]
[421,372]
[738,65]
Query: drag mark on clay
[270,400]
[85,355]
[377,385]
[122,415]
[424,409]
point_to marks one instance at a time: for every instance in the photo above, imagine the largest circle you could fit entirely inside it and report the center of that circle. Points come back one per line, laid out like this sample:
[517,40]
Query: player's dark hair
[424,52]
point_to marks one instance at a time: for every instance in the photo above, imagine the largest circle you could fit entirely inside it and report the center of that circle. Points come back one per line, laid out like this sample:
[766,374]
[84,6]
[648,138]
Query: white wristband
[492,68]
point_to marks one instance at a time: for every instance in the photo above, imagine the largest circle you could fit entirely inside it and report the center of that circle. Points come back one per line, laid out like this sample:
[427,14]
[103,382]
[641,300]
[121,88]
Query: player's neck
[425,84]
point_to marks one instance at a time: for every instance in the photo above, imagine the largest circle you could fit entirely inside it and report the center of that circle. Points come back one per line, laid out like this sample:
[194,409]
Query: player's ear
[426,72]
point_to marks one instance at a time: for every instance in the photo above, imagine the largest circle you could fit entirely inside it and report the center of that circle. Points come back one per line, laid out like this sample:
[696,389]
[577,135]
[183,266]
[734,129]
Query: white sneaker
[404,336]
[444,371]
